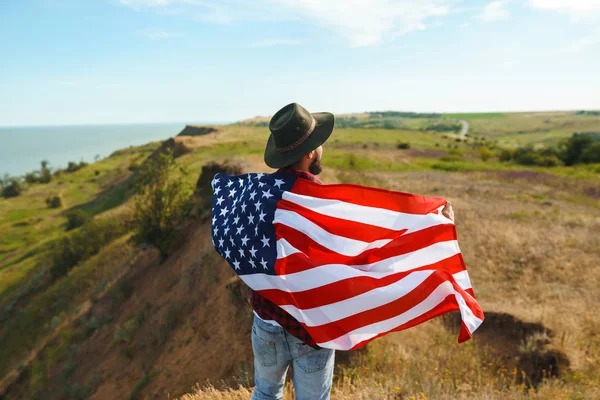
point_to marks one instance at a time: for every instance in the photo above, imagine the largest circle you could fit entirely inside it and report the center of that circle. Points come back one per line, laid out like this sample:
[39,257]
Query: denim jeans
[274,351]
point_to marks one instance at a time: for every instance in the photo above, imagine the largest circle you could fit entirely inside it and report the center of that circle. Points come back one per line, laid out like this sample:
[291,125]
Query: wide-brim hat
[296,132]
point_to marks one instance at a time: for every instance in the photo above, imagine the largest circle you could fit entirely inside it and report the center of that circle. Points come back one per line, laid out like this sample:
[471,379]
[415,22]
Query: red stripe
[447,305]
[351,287]
[371,197]
[326,332]
[341,227]
[316,254]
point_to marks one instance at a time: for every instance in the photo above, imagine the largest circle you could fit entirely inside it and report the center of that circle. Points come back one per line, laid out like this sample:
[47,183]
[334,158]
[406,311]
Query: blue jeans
[274,351]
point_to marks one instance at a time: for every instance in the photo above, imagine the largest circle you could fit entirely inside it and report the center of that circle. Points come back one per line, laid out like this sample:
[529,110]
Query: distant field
[533,128]
[471,116]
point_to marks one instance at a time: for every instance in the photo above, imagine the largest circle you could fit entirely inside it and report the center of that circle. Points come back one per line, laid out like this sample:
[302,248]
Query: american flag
[350,263]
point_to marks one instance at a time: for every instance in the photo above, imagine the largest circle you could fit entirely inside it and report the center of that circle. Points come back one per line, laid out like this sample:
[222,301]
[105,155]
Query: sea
[23,148]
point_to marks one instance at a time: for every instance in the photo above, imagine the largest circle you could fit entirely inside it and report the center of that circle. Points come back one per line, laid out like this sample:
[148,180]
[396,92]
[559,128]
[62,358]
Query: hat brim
[323,128]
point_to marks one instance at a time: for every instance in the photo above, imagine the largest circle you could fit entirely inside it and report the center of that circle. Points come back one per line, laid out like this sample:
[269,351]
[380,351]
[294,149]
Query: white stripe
[366,301]
[338,244]
[330,273]
[363,302]
[284,249]
[470,320]
[367,332]
[463,280]
[380,217]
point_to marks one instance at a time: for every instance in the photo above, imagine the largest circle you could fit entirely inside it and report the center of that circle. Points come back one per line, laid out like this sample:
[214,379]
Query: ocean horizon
[24,147]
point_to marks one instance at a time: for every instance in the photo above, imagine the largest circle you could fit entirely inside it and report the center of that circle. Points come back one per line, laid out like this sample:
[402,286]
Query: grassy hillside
[120,324]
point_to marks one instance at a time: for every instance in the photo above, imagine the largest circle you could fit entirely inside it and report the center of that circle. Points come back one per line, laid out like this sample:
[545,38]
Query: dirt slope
[161,330]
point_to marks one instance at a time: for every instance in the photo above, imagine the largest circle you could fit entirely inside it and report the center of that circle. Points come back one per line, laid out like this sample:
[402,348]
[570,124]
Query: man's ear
[310,155]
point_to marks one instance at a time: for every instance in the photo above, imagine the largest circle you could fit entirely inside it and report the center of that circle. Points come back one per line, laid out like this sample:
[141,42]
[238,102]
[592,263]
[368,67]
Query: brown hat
[294,133]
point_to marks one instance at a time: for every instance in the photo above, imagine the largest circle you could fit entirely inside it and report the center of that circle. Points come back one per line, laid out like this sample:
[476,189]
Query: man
[295,146]
[279,340]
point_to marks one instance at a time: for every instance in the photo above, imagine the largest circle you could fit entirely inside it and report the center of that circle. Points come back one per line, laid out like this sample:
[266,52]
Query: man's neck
[300,168]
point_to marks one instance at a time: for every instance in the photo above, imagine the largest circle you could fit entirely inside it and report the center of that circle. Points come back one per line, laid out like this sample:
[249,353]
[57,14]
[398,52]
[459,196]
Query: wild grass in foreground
[428,364]
[533,259]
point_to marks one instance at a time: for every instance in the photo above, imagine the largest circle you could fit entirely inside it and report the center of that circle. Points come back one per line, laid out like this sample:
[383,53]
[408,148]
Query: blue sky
[117,61]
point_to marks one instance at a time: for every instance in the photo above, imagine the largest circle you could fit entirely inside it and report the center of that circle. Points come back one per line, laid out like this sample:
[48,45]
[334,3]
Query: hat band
[299,141]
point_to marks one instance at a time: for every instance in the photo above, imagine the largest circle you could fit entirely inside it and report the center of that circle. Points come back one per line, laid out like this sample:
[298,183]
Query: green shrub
[163,201]
[403,145]
[124,333]
[54,202]
[485,153]
[527,158]
[591,154]
[73,166]
[133,166]
[543,158]
[37,376]
[391,125]
[45,174]
[76,218]
[444,127]
[142,384]
[549,161]
[121,291]
[32,177]
[574,147]
[452,157]
[12,189]
[443,166]
[82,244]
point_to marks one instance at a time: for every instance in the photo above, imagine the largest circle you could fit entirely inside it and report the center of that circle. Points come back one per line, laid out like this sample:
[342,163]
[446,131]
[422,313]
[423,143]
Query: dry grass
[532,254]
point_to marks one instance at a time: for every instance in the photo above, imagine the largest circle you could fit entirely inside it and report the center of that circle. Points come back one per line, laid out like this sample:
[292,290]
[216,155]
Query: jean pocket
[264,350]
[315,360]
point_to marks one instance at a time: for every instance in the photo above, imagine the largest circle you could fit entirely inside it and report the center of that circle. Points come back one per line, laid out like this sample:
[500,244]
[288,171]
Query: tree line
[581,148]
[12,186]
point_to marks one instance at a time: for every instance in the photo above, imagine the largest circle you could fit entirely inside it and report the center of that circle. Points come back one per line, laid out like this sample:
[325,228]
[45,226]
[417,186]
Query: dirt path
[465,129]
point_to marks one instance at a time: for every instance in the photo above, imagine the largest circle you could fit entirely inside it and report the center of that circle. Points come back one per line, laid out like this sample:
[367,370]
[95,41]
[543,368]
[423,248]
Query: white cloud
[361,22]
[577,7]
[494,11]
[159,34]
[276,42]
[368,22]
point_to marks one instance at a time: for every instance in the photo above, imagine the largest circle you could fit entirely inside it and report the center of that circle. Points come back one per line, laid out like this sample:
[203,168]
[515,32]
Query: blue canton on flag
[242,223]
